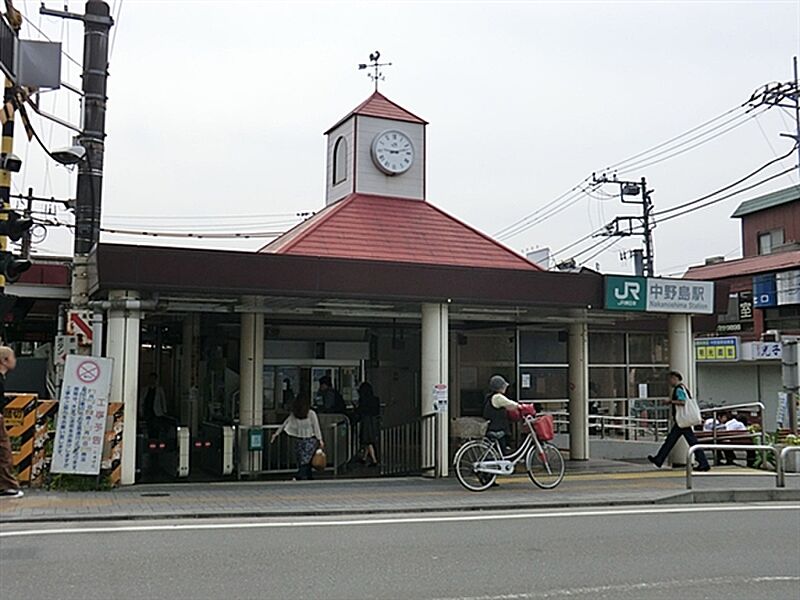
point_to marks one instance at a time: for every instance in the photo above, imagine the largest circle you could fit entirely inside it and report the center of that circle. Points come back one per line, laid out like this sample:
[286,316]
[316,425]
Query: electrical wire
[678,149]
[721,198]
[729,186]
[116,29]
[607,247]
[677,137]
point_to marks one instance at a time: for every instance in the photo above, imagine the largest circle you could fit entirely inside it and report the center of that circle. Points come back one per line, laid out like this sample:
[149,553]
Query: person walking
[9,486]
[368,412]
[678,397]
[303,425]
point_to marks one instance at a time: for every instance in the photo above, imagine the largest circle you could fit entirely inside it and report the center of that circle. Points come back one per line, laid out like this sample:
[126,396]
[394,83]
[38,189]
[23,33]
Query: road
[632,553]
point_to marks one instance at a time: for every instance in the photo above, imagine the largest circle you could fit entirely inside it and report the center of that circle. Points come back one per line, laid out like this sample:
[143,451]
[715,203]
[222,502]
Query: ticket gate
[213,449]
[163,452]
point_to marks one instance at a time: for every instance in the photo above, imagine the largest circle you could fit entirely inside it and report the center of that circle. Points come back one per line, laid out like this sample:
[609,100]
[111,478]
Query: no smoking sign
[88,371]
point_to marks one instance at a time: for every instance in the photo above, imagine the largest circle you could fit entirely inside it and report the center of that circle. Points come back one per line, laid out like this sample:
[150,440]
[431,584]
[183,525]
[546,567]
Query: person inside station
[152,405]
[328,398]
[288,394]
[368,412]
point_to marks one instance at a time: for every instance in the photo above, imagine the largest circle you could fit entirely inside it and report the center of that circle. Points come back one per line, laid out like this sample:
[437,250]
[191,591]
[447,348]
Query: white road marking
[200,526]
[633,587]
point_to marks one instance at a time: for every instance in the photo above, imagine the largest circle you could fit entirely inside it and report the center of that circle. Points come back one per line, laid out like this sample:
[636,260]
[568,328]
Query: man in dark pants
[9,486]
[678,397]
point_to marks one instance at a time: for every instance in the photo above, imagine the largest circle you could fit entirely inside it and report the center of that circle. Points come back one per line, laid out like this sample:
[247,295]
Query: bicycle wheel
[546,469]
[464,463]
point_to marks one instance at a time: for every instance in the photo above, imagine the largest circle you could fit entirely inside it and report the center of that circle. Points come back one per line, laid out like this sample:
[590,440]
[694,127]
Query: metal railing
[410,448]
[781,466]
[696,448]
[279,457]
[628,427]
[714,411]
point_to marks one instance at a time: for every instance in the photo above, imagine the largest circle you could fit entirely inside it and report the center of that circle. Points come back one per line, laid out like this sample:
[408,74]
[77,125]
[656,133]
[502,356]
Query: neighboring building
[763,305]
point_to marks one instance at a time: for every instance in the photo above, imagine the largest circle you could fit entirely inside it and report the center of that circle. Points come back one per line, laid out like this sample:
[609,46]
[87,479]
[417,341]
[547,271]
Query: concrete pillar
[578,391]
[190,358]
[681,359]
[251,381]
[123,346]
[435,347]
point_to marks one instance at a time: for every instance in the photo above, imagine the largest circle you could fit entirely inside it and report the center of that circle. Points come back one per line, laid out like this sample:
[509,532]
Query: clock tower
[378,149]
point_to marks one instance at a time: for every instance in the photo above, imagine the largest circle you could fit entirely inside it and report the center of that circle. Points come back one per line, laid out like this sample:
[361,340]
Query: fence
[410,448]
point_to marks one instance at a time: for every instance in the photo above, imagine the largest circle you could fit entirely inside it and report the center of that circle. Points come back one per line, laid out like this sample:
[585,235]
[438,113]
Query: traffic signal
[13,227]
[12,267]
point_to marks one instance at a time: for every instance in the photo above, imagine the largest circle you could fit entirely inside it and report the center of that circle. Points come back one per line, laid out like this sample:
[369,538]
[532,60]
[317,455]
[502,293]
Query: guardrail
[737,407]
[630,427]
[781,466]
[279,458]
[690,456]
[410,448]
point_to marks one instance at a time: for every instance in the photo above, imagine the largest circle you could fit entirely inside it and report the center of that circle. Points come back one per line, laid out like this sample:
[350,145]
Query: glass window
[606,348]
[654,377]
[340,161]
[648,348]
[607,382]
[769,241]
[543,383]
[542,347]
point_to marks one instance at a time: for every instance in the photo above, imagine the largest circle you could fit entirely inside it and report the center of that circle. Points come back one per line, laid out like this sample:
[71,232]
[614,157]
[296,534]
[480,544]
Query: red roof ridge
[315,236]
[748,265]
[485,236]
[376,97]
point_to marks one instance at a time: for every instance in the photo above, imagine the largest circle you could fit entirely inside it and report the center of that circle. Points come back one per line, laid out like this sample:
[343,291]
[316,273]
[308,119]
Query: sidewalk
[600,483]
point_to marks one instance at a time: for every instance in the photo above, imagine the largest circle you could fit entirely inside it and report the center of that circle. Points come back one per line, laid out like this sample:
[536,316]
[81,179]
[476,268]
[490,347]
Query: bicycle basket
[543,426]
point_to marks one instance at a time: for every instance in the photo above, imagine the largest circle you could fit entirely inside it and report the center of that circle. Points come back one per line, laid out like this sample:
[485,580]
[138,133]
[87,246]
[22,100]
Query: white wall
[370,180]
[337,192]
[740,383]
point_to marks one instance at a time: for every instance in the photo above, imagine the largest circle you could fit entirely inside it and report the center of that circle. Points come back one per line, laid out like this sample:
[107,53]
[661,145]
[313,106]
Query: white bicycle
[478,462]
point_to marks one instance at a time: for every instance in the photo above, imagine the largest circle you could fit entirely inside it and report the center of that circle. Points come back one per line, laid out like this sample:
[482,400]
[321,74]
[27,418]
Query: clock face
[392,152]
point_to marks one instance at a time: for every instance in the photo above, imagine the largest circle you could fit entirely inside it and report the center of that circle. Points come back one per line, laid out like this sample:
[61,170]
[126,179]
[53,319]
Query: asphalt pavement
[625,553]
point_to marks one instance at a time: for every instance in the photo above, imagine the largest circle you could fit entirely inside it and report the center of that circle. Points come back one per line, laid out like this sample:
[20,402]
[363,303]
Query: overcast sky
[218,108]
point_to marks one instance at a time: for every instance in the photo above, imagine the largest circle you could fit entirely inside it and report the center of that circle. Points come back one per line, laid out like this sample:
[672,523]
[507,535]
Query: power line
[116,29]
[644,164]
[727,187]
[721,198]
[677,137]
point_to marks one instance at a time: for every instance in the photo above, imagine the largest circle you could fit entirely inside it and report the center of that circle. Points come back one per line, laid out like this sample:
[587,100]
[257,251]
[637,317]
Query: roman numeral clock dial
[392,152]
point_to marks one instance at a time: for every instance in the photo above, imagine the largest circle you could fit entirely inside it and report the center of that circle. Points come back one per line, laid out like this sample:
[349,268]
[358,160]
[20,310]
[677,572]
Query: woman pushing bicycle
[495,410]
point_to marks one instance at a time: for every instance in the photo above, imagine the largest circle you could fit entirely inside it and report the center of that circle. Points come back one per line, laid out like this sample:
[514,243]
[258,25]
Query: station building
[380,285]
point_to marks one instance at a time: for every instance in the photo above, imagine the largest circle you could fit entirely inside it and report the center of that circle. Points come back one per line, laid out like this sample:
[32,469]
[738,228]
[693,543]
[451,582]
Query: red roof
[378,105]
[747,266]
[395,230]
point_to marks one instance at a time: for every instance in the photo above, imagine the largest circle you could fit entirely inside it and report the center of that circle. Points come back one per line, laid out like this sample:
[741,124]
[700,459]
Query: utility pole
[783,95]
[28,214]
[629,226]
[97,23]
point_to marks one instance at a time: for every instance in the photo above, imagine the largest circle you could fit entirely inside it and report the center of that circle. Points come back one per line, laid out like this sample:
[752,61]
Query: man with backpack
[679,397]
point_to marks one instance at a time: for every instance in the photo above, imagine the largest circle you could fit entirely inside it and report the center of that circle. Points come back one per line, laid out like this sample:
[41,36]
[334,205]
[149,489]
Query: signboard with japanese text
[765,291]
[745,306]
[659,295]
[81,423]
[762,351]
[718,349]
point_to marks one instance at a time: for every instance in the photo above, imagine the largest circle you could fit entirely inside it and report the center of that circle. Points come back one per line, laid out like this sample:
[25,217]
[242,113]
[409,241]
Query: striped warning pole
[6,148]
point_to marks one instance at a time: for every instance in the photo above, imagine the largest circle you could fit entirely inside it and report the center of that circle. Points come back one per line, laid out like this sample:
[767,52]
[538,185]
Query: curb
[690,497]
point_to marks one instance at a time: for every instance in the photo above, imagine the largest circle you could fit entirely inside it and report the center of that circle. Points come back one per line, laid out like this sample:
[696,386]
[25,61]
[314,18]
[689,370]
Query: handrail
[618,423]
[718,409]
[697,447]
[781,466]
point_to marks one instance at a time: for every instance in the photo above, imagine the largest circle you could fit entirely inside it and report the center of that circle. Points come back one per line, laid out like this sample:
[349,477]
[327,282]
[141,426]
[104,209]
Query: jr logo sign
[625,293]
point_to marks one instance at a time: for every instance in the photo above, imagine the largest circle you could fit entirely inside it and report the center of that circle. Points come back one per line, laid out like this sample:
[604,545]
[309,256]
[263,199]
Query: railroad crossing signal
[13,227]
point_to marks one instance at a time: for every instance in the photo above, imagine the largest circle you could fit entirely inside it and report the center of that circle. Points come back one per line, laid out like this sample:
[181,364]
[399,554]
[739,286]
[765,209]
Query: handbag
[320,460]
[688,414]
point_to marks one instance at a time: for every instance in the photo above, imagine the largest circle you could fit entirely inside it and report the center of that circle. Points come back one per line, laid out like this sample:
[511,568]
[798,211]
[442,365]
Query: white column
[681,359]
[123,347]
[251,381]
[578,391]
[435,348]
[189,372]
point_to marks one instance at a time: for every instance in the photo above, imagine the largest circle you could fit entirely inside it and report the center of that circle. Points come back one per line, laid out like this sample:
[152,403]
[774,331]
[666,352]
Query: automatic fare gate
[163,451]
[213,450]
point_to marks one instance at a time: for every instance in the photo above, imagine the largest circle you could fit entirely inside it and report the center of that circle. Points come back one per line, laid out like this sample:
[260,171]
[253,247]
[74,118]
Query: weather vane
[374,64]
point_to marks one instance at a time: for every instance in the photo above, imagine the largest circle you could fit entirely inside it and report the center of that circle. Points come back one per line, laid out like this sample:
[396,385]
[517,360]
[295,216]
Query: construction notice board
[81,423]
